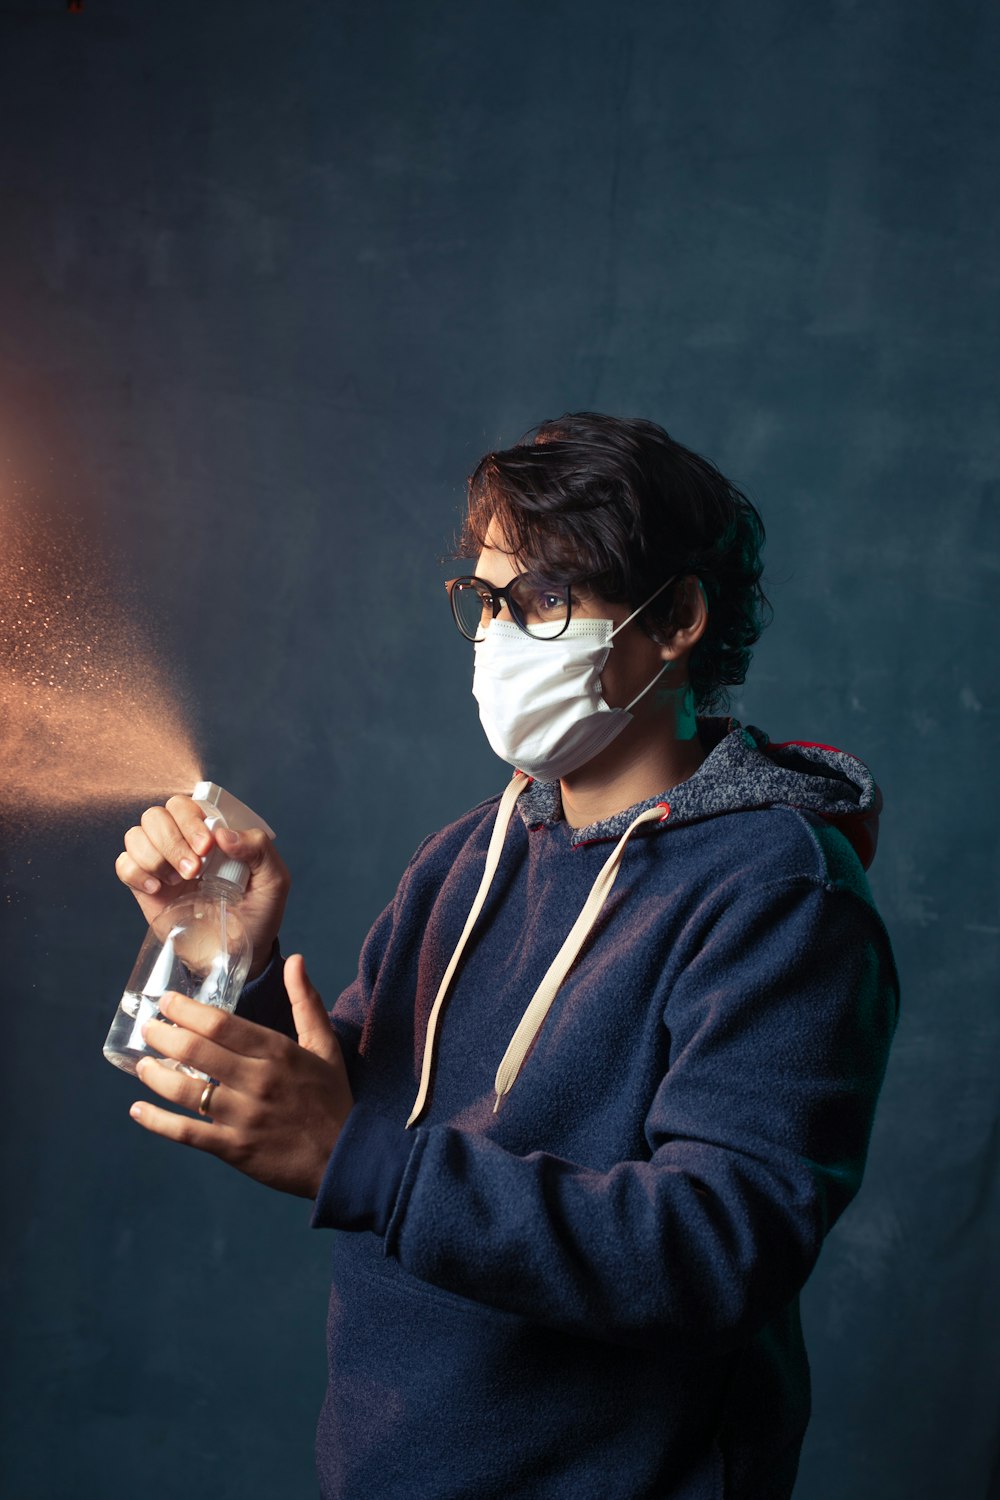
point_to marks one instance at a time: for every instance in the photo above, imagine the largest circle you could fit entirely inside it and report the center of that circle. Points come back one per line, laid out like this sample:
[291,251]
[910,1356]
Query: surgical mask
[540,701]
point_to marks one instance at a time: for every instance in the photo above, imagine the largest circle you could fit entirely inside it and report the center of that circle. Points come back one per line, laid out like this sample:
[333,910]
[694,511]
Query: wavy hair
[615,505]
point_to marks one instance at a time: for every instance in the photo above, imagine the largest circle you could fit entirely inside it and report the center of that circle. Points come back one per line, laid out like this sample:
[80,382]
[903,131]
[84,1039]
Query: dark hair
[614,503]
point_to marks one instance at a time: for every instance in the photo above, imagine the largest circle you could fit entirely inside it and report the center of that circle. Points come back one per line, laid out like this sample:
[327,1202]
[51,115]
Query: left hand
[279,1105]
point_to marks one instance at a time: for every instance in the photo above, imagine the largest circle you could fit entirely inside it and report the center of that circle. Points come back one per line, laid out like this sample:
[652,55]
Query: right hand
[152,865]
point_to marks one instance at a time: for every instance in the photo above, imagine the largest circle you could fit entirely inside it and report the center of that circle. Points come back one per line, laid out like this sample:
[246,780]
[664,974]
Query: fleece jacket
[593,1289]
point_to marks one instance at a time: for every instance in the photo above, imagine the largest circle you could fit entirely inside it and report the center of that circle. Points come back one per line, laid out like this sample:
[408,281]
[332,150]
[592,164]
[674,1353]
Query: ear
[690,619]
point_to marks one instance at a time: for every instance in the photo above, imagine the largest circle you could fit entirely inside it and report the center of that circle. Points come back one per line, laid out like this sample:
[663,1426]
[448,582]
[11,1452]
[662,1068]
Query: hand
[279,1106]
[162,856]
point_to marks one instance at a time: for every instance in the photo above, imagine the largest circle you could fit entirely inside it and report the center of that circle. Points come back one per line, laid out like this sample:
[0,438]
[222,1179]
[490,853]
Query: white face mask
[540,702]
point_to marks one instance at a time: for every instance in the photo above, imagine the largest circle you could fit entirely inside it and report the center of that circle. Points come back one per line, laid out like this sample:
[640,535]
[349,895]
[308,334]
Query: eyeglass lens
[539,609]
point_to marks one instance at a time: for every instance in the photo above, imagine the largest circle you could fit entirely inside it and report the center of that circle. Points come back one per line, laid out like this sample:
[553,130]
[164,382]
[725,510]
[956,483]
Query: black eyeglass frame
[501,596]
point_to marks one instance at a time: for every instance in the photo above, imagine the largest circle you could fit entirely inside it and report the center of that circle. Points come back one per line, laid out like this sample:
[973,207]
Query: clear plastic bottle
[197,945]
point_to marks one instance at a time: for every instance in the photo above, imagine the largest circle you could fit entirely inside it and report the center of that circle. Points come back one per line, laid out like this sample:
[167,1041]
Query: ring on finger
[205,1103]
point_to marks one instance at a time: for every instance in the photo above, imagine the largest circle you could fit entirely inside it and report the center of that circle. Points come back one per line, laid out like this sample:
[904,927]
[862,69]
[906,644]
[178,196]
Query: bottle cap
[216,865]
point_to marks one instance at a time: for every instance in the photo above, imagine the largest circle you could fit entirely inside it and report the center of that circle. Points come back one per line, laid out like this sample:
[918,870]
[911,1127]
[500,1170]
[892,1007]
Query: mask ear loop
[666,665]
[665,668]
[654,595]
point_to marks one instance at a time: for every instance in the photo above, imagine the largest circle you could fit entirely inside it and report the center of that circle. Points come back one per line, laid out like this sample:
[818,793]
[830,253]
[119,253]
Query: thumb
[312,1024]
[252,846]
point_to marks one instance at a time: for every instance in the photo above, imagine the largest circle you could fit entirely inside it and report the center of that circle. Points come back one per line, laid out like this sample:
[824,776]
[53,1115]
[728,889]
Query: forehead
[495,562]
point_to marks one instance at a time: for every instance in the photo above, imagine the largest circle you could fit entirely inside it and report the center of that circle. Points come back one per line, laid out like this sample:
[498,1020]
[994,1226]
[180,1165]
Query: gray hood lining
[736,775]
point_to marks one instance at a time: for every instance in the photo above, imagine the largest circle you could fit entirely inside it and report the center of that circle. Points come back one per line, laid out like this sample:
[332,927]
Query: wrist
[262,957]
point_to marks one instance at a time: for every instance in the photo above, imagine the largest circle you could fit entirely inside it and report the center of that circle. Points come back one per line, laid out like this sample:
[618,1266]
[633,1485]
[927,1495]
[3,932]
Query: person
[607,1073]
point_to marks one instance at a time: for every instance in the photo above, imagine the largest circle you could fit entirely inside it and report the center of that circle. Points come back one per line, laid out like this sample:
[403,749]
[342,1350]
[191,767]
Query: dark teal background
[272,277]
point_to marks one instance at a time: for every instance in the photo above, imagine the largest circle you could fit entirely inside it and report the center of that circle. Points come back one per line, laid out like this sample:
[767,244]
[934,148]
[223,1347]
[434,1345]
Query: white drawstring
[513,790]
[540,1002]
[538,1006]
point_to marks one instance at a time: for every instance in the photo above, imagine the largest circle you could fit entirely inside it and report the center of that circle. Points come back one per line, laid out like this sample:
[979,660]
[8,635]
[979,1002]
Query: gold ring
[206,1096]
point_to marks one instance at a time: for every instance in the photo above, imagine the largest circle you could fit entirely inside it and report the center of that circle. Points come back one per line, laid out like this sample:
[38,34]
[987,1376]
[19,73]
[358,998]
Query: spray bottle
[197,945]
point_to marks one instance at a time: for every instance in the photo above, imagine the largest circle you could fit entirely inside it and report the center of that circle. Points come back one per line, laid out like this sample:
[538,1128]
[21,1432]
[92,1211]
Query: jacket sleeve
[779,1025]
[265,1000]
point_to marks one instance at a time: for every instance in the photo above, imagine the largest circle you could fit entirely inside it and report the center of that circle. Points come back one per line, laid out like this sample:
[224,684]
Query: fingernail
[165,1002]
[229,836]
[136,1111]
[152,886]
[188,866]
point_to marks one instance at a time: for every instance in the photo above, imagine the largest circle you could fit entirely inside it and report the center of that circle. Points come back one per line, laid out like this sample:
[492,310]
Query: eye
[544,604]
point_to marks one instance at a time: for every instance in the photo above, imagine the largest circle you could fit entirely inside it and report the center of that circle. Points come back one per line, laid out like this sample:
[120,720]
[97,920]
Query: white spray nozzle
[224,810]
[222,807]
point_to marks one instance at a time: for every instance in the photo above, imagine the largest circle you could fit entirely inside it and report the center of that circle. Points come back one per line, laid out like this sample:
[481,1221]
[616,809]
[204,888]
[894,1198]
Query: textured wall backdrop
[271,278]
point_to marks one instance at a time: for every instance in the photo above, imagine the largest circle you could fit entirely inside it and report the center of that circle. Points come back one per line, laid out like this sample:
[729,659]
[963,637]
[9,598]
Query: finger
[163,833]
[143,861]
[136,878]
[190,819]
[181,1088]
[188,1050]
[217,1139]
[312,1024]
[229,1034]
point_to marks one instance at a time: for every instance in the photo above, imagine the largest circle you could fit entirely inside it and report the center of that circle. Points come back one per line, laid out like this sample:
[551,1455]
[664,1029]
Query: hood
[743,770]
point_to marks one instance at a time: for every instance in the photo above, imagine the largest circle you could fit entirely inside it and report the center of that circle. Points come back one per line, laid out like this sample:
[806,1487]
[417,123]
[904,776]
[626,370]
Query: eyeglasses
[540,609]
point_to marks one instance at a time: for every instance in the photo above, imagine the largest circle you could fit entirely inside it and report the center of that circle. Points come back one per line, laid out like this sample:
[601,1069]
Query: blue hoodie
[592,1290]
